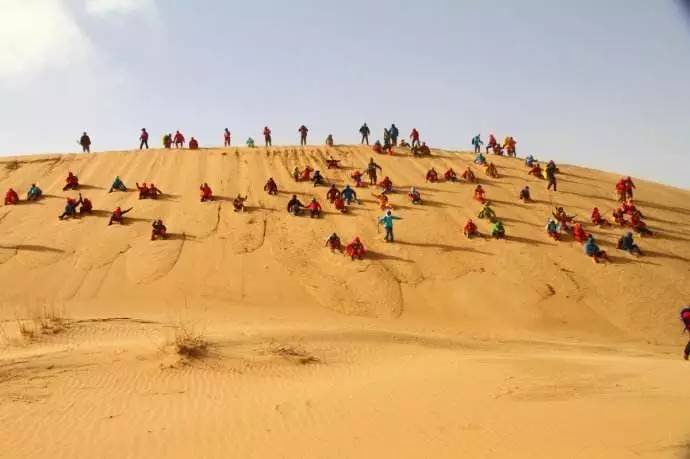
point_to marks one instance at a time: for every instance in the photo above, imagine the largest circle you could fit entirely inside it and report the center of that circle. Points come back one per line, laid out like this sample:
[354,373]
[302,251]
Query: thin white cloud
[106,7]
[36,35]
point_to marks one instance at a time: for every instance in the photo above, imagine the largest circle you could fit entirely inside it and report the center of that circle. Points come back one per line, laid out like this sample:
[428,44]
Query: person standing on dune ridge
[365,131]
[303,134]
[144,139]
[85,142]
[267,137]
[226,137]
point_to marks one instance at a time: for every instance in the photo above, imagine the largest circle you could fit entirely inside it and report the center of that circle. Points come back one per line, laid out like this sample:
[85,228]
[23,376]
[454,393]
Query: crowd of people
[559,226]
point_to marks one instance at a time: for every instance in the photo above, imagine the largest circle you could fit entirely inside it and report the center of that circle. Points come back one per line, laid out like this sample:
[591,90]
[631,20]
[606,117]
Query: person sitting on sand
[491,170]
[450,175]
[639,226]
[205,192]
[318,179]
[579,234]
[339,204]
[158,230]
[305,174]
[487,212]
[332,194]
[357,177]
[619,217]
[193,144]
[404,144]
[329,140]
[415,196]
[525,194]
[470,229]
[238,203]
[70,208]
[592,250]
[178,140]
[498,231]
[386,185]
[117,185]
[563,218]
[480,159]
[250,142]
[11,197]
[627,243]
[530,161]
[432,175]
[71,182]
[498,150]
[536,171]
[383,201]
[34,193]
[479,194]
[424,149]
[86,206]
[468,175]
[628,207]
[332,163]
[271,187]
[377,147]
[553,229]
[314,208]
[143,190]
[355,249]
[333,243]
[349,194]
[294,206]
[118,216]
[597,219]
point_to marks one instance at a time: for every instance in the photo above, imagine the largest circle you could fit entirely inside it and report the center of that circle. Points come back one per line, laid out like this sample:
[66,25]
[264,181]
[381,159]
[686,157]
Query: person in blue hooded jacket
[387,222]
[592,250]
[348,194]
[394,132]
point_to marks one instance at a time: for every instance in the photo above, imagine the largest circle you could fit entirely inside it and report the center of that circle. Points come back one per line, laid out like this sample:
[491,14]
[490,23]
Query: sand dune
[436,346]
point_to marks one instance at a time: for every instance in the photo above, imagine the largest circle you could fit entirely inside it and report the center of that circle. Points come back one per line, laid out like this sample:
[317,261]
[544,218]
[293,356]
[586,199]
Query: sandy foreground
[436,346]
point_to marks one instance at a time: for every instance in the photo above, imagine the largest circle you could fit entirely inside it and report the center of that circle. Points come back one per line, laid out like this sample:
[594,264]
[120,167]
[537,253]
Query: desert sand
[433,347]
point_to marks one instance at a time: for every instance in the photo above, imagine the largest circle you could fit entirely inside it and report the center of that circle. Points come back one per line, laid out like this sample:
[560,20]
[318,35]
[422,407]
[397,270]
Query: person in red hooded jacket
[629,187]
[355,249]
[117,215]
[314,208]
[470,229]
[414,137]
[11,197]
[178,140]
[143,139]
[332,194]
[432,175]
[193,144]
[71,182]
[271,187]
[267,136]
[205,192]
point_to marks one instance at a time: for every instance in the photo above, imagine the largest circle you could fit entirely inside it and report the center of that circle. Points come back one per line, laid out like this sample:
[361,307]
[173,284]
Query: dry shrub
[49,320]
[12,165]
[188,343]
[26,329]
[298,355]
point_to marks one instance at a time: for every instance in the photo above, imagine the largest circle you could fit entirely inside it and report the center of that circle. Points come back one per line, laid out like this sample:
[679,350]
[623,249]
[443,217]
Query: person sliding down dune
[294,206]
[491,170]
[415,196]
[314,208]
[450,175]
[383,201]
[479,194]
[487,212]
[332,194]
[118,185]
[597,219]
[563,218]
[349,195]
[627,243]
[302,176]
[158,230]
[432,175]
[498,230]
[553,229]
[318,179]
[357,176]
[579,234]
[71,182]
[536,171]
[355,249]
[238,203]
[333,243]
[118,216]
[480,159]
[592,250]
[205,192]
[470,229]
[386,185]
[332,163]
[639,226]
[86,206]
[11,197]
[34,193]
[525,195]
[339,204]
[468,175]
[271,187]
[71,208]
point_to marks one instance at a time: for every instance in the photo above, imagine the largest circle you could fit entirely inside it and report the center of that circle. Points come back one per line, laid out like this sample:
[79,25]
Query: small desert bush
[48,320]
[189,343]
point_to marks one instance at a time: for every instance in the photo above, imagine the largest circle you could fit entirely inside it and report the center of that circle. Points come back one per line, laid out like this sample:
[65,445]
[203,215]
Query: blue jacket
[591,247]
[349,193]
[387,220]
[394,131]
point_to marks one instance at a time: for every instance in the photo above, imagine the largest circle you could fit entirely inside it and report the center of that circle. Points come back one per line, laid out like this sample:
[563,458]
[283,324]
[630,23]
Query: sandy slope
[433,347]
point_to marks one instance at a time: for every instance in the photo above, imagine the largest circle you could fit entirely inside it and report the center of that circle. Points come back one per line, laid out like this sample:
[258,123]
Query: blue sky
[597,83]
